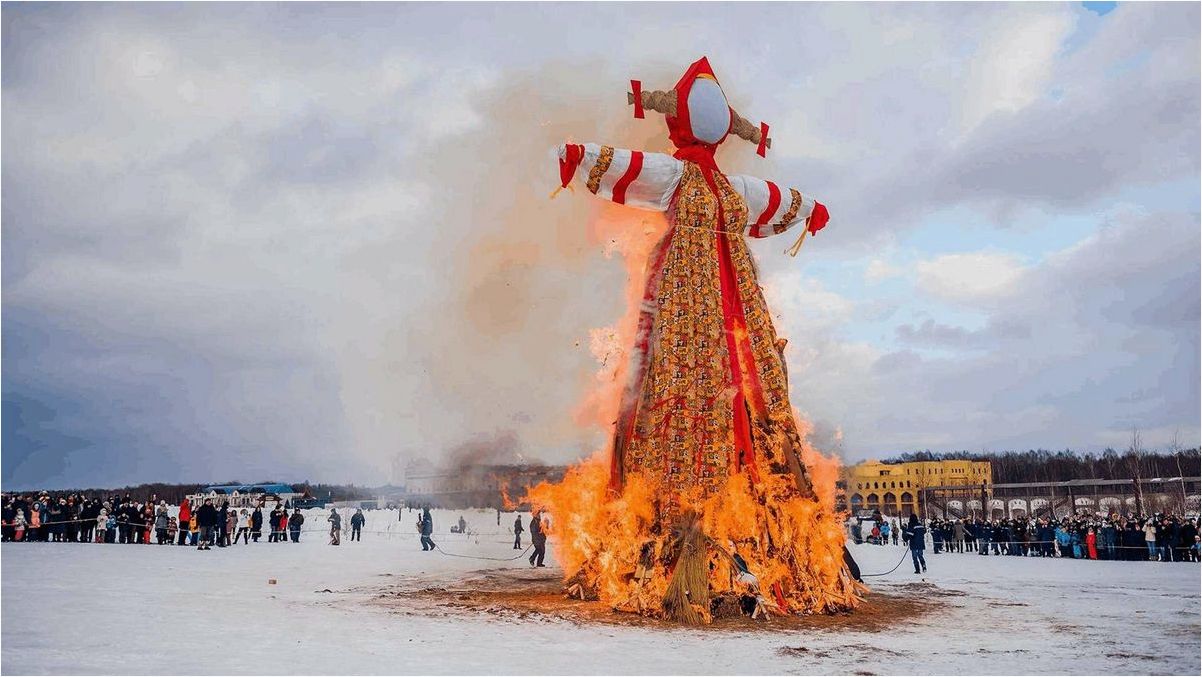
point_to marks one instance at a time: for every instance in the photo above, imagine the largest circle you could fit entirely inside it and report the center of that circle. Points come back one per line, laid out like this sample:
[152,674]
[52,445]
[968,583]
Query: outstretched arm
[772,210]
[635,178]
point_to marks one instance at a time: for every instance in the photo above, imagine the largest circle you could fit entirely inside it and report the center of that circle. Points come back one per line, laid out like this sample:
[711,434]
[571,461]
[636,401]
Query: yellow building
[896,488]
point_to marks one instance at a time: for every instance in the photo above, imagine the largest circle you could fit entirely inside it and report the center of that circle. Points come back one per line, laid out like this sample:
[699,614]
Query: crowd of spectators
[76,518]
[1161,537]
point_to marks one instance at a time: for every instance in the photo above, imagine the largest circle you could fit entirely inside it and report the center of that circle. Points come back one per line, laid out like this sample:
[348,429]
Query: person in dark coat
[335,521]
[517,533]
[538,538]
[294,524]
[278,521]
[223,516]
[206,521]
[1186,536]
[9,514]
[357,522]
[426,526]
[256,524]
[918,537]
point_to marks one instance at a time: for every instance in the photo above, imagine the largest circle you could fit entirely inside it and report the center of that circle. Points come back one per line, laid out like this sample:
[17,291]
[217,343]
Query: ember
[706,505]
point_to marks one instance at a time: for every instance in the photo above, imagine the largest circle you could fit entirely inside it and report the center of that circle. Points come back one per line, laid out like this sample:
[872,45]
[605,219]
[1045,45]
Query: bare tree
[1134,461]
[1175,450]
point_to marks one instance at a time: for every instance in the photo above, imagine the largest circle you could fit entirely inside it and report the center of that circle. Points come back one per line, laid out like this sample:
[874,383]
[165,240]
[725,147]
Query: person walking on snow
[294,524]
[538,538]
[357,522]
[335,521]
[426,527]
[918,536]
[517,533]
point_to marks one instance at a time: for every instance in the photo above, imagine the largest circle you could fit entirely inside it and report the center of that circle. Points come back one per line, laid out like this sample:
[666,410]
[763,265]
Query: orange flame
[791,544]
[506,503]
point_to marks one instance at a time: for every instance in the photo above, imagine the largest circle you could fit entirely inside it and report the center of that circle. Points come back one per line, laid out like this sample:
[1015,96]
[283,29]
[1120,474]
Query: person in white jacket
[102,525]
[1150,538]
[243,531]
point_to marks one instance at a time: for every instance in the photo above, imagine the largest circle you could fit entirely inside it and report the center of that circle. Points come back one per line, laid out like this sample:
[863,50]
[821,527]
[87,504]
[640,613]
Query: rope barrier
[899,563]
[491,559]
[1020,543]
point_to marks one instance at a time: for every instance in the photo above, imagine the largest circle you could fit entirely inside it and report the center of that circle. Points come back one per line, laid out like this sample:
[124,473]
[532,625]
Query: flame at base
[767,548]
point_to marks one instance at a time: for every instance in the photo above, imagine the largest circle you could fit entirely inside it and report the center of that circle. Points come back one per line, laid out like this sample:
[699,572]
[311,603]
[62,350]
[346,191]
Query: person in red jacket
[1091,543]
[185,516]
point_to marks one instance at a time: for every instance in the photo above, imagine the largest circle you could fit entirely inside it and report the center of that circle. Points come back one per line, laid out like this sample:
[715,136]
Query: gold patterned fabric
[683,430]
[794,206]
[599,169]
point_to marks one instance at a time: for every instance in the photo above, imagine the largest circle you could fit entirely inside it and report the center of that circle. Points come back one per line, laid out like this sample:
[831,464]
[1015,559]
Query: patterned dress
[708,396]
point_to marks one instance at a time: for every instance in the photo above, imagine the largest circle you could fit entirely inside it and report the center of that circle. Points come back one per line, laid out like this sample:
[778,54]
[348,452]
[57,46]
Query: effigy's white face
[709,113]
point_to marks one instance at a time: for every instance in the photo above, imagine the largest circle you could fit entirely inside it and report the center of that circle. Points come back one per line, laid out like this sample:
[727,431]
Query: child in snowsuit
[101,526]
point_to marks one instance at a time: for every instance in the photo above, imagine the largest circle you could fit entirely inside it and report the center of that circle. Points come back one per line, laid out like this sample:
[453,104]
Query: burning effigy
[706,504]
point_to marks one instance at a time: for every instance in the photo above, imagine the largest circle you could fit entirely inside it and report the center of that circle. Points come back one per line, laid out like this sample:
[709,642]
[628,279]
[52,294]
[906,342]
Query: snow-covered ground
[85,608]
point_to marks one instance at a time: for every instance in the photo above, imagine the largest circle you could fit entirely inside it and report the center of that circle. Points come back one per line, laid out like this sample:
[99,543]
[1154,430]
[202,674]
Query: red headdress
[698,115]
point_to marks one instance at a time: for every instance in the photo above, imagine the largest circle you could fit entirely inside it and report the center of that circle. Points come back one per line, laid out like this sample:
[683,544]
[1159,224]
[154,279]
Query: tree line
[175,493]
[1042,465]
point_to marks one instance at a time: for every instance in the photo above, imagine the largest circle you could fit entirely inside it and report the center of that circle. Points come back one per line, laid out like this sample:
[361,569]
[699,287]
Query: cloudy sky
[295,241]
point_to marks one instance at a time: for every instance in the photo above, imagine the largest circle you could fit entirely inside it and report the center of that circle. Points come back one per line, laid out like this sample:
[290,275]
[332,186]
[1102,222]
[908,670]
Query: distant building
[246,495]
[897,489]
[474,486]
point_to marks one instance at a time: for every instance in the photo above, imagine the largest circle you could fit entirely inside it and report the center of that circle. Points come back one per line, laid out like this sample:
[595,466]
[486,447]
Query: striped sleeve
[773,209]
[635,178]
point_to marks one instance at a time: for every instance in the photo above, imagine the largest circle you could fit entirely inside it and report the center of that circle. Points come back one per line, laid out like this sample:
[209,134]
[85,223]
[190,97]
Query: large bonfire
[709,502]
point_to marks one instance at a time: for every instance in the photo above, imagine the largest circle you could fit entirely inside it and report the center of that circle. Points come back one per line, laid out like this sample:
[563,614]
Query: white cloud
[879,269]
[969,277]
[1015,62]
[807,301]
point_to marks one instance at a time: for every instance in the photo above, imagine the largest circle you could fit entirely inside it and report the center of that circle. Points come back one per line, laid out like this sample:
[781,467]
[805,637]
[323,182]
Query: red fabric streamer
[637,87]
[762,151]
[568,165]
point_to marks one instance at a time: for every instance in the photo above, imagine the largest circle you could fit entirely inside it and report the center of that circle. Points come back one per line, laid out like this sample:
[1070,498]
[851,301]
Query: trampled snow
[148,609]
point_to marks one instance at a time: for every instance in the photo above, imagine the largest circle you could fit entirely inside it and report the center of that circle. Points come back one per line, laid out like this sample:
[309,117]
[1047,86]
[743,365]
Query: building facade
[246,495]
[898,489]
